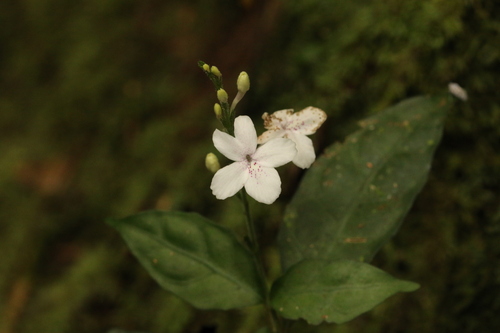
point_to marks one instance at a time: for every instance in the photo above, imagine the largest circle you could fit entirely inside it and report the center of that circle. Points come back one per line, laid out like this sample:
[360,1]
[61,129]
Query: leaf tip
[410,286]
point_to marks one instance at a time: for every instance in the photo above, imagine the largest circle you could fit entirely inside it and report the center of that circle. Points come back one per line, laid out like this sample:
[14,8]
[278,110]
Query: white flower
[295,126]
[253,168]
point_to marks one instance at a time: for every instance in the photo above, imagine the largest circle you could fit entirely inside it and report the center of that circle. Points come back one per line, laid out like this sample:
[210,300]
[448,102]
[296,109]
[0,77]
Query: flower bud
[222,96]
[206,68]
[457,91]
[215,71]
[212,162]
[243,82]
[217,110]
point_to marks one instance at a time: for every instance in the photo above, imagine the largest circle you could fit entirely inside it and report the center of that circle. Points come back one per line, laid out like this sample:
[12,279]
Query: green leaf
[333,291]
[193,258]
[354,198]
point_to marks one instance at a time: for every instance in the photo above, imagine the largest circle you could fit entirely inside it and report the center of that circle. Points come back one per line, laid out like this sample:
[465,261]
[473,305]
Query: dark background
[104,113]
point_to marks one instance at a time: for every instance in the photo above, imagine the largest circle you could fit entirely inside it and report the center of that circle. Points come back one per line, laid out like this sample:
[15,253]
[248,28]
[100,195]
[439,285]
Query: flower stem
[252,235]
[254,247]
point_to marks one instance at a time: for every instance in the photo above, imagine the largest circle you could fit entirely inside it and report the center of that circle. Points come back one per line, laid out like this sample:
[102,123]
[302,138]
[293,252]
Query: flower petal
[229,180]
[244,132]
[306,121]
[275,152]
[305,150]
[269,135]
[264,184]
[228,146]
[277,120]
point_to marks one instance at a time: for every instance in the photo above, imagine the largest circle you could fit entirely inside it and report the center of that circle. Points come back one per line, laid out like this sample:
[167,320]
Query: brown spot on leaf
[327,183]
[382,207]
[404,123]
[355,240]
[367,122]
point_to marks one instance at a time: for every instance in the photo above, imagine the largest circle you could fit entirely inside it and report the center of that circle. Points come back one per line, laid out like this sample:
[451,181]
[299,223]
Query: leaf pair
[350,202]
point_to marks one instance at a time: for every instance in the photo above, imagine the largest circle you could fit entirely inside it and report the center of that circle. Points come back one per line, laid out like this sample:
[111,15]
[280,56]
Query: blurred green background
[104,113]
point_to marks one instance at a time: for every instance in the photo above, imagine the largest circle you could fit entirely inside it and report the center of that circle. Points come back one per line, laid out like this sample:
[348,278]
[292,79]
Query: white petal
[229,180]
[269,135]
[228,146]
[306,121]
[275,152]
[305,150]
[264,184]
[244,132]
[277,120]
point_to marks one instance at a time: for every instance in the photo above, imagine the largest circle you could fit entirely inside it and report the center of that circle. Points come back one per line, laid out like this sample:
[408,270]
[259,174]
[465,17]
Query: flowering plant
[349,203]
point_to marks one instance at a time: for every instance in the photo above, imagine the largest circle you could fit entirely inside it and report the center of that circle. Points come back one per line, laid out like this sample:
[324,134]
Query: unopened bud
[215,71]
[212,162]
[457,91]
[222,96]
[217,110]
[243,82]
[206,68]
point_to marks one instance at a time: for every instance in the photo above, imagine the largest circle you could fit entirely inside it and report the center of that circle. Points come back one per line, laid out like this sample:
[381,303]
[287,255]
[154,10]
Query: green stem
[254,247]
[252,235]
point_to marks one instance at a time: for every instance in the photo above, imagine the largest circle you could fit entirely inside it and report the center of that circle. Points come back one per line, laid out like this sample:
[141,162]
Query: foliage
[205,264]
[194,258]
[356,196]
[333,291]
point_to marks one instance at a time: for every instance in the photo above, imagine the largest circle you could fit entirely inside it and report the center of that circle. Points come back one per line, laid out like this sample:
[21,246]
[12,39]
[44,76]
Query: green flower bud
[222,96]
[243,82]
[212,162]
[217,110]
[206,68]
[215,71]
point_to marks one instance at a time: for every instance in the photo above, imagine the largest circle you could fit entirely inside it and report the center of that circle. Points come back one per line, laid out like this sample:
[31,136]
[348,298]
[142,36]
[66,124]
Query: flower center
[249,158]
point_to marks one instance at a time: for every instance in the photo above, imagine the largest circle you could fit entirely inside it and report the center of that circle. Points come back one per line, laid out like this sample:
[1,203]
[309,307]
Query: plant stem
[252,235]
[255,248]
